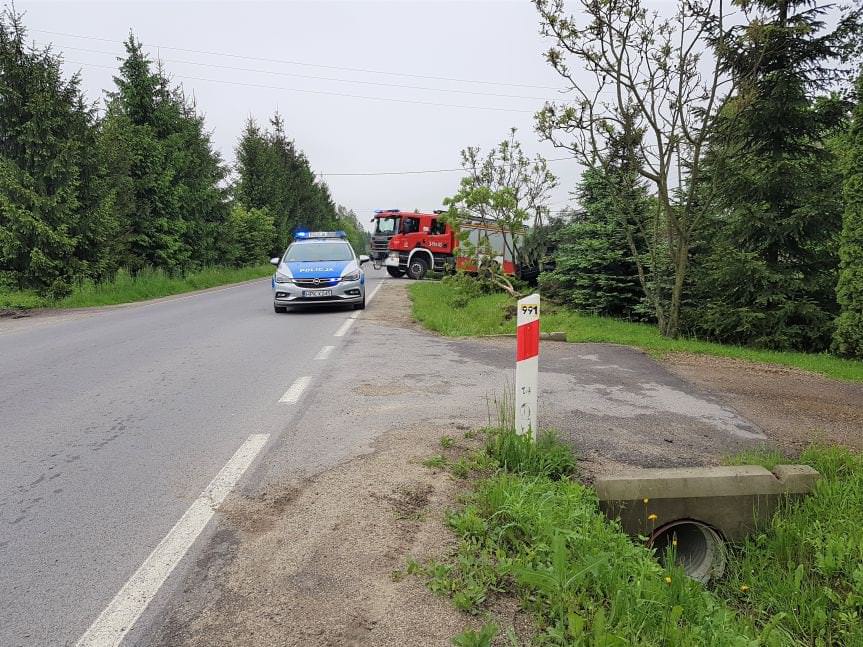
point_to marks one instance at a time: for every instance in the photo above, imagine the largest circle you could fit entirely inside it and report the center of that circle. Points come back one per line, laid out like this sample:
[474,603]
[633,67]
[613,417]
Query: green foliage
[768,274]
[848,338]
[167,175]
[248,236]
[506,192]
[150,283]
[546,542]
[519,454]
[542,539]
[55,211]
[487,314]
[481,638]
[806,566]
[274,175]
[594,270]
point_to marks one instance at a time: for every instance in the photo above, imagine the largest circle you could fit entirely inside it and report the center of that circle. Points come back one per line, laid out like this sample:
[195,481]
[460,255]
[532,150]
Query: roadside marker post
[527,364]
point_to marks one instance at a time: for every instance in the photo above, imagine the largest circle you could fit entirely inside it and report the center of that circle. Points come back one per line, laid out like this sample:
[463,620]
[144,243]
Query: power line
[305,64]
[322,78]
[322,92]
[439,170]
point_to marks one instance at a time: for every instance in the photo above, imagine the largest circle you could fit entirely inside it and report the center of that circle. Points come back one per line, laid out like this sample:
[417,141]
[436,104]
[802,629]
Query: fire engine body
[423,242]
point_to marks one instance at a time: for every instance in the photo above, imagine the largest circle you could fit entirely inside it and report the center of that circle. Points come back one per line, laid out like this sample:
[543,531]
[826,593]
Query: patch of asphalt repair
[305,553]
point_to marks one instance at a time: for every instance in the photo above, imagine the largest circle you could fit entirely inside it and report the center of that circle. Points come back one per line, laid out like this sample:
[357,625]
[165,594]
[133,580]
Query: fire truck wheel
[395,272]
[417,268]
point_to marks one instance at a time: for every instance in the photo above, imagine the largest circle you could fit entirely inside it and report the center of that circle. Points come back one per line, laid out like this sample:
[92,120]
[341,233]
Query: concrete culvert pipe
[700,550]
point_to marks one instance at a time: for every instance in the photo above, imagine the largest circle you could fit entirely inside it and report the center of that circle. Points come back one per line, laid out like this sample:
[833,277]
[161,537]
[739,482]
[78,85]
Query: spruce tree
[769,275]
[274,175]
[848,338]
[55,210]
[166,173]
[594,271]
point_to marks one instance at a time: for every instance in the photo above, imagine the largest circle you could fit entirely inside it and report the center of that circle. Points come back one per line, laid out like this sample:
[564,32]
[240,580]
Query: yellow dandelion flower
[646,500]
[744,588]
[652,517]
[674,542]
[667,579]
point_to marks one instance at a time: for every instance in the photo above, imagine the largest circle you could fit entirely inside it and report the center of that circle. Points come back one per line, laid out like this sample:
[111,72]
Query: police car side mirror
[275,261]
[364,259]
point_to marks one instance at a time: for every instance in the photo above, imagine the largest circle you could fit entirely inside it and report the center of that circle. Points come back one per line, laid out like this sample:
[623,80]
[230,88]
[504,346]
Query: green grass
[542,540]
[149,284]
[440,308]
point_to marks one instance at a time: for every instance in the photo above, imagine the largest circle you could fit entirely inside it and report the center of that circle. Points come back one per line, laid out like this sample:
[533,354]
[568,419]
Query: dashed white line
[130,602]
[296,390]
[324,352]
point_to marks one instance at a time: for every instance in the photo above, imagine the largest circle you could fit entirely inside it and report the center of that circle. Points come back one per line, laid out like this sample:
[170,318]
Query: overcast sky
[497,43]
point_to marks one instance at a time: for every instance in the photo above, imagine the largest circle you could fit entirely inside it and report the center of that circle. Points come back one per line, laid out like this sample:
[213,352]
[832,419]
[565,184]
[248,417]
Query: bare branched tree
[653,82]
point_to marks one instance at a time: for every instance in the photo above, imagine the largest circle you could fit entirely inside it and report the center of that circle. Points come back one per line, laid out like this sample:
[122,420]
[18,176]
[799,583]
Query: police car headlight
[283,278]
[353,276]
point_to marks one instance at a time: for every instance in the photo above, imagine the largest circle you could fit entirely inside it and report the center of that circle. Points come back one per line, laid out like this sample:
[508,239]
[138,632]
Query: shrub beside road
[453,310]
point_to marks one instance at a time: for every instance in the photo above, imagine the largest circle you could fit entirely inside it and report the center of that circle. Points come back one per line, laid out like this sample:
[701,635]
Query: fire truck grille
[380,244]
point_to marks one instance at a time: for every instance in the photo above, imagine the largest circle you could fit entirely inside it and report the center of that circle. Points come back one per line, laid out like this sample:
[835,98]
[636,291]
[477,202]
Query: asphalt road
[113,423]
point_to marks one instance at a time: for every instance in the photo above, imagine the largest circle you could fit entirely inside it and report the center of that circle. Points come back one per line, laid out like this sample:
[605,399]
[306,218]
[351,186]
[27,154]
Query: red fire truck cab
[423,242]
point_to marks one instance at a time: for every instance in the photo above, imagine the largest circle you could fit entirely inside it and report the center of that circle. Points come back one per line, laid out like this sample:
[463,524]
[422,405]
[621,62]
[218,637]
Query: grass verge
[531,532]
[149,284]
[440,308]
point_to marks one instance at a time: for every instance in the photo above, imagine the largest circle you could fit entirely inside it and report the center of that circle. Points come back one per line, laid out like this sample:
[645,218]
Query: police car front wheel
[280,309]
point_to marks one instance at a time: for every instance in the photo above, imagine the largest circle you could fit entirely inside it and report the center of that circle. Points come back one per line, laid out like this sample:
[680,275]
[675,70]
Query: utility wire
[439,170]
[305,64]
[322,78]
[322,92]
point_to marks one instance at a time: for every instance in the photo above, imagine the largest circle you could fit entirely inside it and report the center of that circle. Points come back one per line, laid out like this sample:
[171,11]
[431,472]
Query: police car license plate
[317,293]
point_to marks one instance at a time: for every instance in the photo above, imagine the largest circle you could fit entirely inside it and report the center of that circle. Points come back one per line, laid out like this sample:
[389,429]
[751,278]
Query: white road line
[324,352]
[130,602]
[374,292]
[345,327]
[296,390]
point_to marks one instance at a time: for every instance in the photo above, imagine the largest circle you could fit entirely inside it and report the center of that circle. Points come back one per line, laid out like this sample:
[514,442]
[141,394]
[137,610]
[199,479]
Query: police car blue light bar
[305,235]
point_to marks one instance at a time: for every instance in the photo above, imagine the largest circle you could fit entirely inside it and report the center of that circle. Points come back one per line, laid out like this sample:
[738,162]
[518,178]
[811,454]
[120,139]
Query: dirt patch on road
[321,565]
[793,407]
[392,305]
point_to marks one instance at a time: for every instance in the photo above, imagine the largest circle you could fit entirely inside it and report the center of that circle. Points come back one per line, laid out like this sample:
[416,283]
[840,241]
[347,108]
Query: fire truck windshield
[387,225]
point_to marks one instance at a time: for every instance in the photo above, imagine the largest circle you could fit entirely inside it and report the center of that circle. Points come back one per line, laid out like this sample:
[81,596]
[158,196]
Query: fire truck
[421,242]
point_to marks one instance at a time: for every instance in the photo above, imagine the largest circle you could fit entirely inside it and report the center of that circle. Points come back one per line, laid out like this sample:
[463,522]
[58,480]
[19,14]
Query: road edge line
[124,610]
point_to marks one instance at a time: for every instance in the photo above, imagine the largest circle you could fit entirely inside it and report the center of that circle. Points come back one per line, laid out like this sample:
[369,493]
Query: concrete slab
[734,500]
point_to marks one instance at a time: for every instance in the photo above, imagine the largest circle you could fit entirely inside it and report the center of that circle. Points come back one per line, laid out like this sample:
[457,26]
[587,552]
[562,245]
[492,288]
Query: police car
[319,268]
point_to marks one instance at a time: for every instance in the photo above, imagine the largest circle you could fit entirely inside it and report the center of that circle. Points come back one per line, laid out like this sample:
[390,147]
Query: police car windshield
[305,252]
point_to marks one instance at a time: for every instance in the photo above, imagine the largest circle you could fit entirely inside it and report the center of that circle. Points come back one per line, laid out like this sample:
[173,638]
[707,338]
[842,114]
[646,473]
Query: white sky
[487,41]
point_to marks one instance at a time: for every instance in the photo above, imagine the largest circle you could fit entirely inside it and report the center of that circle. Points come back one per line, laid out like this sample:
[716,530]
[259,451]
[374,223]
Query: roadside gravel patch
[315,563]
[794,408]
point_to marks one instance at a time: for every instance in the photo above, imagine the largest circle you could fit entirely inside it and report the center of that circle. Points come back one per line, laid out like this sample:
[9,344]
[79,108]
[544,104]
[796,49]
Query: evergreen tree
[848,338]
[769,275]
[274,175]
[162,163]
[55,210]
[594,271]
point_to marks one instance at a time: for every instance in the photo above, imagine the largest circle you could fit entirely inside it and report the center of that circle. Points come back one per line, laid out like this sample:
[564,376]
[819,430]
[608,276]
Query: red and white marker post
[527,364]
